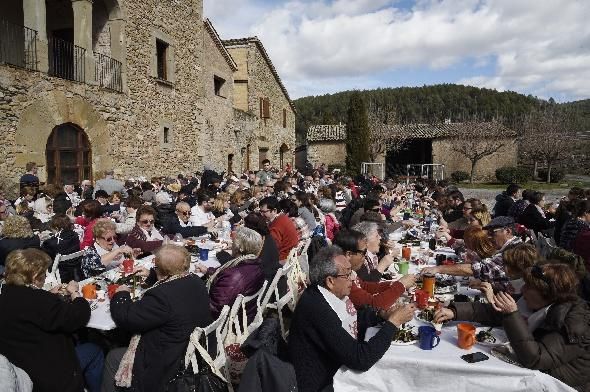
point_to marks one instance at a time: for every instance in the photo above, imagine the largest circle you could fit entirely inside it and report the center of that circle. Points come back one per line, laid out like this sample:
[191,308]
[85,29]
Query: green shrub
[511,174]
[460,176]
[556,174]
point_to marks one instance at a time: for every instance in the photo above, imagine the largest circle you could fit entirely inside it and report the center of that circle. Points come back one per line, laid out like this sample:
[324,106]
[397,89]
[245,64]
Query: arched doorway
[69,159]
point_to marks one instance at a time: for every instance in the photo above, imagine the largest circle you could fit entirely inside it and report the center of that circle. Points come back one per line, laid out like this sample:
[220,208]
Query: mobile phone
[475,357]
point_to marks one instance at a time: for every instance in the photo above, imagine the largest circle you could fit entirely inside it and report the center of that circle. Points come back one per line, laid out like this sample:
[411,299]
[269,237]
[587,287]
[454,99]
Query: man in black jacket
[179,223]
[327,332]
[505,200]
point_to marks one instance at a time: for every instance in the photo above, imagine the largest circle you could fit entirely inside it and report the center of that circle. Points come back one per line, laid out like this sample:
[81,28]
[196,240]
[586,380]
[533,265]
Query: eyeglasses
[147,221]
[264,211]
[110,239]
[345,276]
[360,251]
[185,213]
[537,272]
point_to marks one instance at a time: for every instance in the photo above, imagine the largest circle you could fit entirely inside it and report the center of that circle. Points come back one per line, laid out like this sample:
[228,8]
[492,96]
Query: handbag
[204,380]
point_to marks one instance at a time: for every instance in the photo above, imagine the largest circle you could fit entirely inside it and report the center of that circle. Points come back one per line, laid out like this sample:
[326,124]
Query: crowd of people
[540,299]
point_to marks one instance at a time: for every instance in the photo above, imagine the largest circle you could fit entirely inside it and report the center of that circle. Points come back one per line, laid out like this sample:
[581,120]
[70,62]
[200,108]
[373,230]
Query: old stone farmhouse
[424,144]
[146,87]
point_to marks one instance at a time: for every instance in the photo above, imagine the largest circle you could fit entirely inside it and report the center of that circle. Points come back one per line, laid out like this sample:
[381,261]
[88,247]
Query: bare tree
[475,142]
[384,133]
[547,136]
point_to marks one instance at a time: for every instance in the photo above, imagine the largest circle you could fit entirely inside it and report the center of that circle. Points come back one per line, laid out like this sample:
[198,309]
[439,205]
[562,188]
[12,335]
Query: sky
[538,47]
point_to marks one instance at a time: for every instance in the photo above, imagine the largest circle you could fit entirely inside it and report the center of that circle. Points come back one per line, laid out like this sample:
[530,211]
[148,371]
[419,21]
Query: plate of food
[426,315]
[491,337]
[405,336]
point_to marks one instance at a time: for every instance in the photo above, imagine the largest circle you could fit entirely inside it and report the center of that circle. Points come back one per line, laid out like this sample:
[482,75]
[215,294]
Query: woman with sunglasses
[144,235]
[104,253]
[547,328]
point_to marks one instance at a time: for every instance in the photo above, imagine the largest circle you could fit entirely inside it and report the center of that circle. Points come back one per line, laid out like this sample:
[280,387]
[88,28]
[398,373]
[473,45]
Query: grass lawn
[529,185]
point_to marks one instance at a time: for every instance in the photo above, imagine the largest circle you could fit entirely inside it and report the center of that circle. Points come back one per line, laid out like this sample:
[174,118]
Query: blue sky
[538,47]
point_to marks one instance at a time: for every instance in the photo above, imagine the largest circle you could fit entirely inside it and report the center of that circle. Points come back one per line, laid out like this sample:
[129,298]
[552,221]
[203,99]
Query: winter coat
[165,317]
[164,212]
[570,231]
[246,278]
[533,220]
[503,204]
[36,335]
[7,245]
[560,346]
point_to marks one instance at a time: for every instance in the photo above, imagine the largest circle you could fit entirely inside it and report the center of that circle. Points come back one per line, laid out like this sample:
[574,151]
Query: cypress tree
[357,134]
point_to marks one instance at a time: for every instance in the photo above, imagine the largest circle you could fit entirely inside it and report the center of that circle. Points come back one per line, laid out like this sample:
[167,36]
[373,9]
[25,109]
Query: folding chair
[219,328]
[53,278]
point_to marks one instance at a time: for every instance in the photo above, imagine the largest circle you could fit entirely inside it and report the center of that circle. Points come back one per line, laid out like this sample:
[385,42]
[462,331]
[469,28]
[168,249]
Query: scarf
[124,375]
[232,263]
[344,309]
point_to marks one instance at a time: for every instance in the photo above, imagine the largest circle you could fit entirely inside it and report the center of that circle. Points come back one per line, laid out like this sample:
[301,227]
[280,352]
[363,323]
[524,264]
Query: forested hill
[582,109]
[428,104]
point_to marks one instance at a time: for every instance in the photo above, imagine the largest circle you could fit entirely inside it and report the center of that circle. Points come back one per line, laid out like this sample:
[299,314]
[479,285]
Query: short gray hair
[366,227]
[247,241]
[322,265]
[327,205]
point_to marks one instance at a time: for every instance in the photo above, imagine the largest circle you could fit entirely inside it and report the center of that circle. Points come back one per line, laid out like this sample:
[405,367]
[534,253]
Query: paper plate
[499,334]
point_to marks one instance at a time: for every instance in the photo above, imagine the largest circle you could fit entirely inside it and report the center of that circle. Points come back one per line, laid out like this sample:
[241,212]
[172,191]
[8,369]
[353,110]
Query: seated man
[181,224]
[377,294]
[282,228]
[327,332]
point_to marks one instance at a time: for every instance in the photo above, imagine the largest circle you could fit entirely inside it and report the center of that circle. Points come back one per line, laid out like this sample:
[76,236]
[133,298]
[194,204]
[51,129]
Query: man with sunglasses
[180,223]
[377,294]
[327,331]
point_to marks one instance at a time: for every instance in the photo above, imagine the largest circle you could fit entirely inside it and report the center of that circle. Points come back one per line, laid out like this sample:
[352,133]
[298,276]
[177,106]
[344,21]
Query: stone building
[142,86]
[424,144]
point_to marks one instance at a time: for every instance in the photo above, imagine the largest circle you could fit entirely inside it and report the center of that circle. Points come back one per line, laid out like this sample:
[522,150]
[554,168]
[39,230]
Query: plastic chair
[53,278]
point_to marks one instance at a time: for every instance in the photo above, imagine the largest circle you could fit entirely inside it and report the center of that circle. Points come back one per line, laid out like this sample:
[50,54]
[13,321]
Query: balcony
[66,60]
[18,45]
[108,72]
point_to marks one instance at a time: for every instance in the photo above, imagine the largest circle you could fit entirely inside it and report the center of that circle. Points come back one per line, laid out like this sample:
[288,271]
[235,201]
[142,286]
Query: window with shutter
[266,108]
[284,118]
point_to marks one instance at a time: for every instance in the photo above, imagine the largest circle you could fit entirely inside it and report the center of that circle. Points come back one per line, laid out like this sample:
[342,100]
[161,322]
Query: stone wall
[331,153]
[485,170]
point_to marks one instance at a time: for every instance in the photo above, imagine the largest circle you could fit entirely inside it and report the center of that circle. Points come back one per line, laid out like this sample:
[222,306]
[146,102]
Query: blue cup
[428,337]
[203,254]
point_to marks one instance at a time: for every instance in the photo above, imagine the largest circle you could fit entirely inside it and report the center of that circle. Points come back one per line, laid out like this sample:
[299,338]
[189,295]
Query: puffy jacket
[570,231]
[245,278]
[560,346]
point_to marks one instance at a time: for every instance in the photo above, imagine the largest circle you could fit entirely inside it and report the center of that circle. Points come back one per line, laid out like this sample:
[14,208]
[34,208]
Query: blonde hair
[24,265]
[17,227]
[102,226]
[482,215]
[219,202]
[172,260]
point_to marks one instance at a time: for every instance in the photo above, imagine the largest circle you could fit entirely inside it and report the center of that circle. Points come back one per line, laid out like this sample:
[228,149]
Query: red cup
[406,252]
[422,298]
[111,290]
[89,291]
[128,266]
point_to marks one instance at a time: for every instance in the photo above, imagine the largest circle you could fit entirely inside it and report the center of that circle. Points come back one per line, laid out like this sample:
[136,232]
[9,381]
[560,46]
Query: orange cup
[428,282]
[406,252]
[89,291]
[465,335]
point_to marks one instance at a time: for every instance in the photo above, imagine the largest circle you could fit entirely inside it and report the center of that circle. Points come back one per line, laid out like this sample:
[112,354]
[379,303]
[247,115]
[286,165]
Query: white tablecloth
[409,368]
[100,317]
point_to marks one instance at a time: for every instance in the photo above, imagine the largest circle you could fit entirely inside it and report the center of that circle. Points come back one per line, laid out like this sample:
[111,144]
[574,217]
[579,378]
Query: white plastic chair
[53,278]
[281,303]
[219,328]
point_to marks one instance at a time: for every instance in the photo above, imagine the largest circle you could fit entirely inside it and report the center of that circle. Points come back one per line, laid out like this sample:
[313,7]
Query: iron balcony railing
[18,45]
[108,72]
[66,60]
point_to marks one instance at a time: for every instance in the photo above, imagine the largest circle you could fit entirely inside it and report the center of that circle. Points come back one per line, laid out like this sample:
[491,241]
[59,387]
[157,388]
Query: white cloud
[539,47]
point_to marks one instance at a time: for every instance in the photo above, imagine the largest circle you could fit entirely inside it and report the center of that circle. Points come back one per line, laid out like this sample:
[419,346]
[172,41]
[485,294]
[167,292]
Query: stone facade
[255,81]
[153,125]
[485,169]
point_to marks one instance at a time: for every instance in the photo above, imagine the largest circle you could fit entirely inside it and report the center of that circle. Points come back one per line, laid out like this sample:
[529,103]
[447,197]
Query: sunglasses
[537,272]
[110,239]
[146,221]
[185,213]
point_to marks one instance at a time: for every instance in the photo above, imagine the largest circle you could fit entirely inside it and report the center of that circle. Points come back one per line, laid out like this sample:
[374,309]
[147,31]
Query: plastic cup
[128,266]
[203,254]
[89,291]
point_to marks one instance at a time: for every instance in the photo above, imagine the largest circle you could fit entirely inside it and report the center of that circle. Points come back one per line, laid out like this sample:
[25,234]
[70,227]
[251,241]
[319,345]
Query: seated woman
[104,254]
[533,216]
[16,234]
[162,320]
[144,235]
[91,212]
[43,209]
[36,328]
[64,241]
[241,275]
[547,328]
